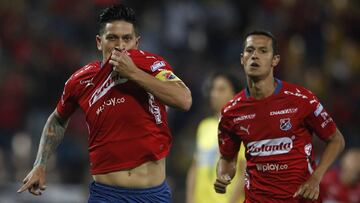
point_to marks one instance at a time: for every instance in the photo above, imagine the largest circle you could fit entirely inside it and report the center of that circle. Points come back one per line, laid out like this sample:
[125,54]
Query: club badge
[285,124]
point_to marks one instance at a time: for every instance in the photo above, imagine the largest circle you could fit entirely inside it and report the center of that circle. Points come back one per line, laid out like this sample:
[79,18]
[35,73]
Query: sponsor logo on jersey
[270,147]
[111,81]
[271,167]
[87,82]
[327,121]
[318,110]
[308,149]
[244,117]
[245,129]
[110,102]
[154,109]
[285,124]
[156,65]
[283,111]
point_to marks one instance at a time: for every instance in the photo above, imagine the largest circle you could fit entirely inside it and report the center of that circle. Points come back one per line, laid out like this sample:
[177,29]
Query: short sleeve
[318,119]
[154,65]
[229,143]
[67,103]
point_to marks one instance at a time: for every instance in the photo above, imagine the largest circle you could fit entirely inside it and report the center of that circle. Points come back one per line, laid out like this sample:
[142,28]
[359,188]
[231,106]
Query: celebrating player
[275,120]
[124,98]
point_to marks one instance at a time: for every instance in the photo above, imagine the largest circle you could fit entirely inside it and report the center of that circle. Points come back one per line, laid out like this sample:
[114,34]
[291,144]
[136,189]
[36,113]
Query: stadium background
[42,42]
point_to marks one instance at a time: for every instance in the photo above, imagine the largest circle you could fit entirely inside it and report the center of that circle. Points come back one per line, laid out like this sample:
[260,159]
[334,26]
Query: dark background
[43,42]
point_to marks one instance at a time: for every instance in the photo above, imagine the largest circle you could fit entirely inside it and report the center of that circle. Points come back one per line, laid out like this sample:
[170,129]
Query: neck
[260,89]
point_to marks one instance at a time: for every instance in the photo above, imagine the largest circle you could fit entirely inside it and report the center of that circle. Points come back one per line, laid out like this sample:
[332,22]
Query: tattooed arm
[51,137]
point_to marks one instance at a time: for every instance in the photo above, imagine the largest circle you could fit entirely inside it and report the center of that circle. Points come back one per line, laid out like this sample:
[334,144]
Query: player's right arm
[229,145]
[225,172]
[52,135]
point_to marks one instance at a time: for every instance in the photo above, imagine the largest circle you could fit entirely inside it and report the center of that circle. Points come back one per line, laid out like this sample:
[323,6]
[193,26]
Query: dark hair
[275,44]
[234,81]
[117,12]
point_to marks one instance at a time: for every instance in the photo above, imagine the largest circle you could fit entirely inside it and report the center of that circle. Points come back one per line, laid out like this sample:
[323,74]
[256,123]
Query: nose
[254,55]
[121,45]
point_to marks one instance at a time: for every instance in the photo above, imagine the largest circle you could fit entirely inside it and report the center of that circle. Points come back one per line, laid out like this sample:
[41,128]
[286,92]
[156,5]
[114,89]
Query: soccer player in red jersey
[124,98]
[275,120]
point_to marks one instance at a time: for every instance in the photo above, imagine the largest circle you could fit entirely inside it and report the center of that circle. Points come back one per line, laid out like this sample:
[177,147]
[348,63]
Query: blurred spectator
[342,184]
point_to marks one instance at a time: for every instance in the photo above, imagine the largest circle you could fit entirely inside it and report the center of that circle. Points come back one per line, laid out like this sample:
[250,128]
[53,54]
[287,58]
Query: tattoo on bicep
[52,136]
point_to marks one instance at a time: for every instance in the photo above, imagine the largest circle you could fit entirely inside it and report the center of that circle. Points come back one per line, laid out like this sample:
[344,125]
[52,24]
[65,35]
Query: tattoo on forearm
[51,137]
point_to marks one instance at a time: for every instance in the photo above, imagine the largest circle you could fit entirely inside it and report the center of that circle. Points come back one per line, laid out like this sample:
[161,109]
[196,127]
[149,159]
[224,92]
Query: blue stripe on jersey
[277,89]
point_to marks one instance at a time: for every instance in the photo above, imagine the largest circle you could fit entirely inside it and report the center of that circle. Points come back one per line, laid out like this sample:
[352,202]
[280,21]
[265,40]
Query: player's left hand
[122,63]
[309,189]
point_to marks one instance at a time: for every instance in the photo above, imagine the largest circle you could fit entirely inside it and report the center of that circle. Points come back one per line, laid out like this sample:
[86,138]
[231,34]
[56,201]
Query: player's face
[117,34]
[258,58]
[221,92]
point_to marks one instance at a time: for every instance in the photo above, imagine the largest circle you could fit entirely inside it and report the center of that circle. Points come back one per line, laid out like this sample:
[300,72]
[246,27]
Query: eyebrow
[251,46]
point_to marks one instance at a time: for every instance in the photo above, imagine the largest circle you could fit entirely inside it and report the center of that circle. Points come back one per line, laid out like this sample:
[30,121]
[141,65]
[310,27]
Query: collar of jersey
[277,89]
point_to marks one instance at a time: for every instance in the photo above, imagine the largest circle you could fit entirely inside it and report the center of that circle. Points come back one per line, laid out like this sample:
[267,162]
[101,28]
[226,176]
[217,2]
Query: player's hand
[122,63]
[221,183]
[309,189]
[34,182]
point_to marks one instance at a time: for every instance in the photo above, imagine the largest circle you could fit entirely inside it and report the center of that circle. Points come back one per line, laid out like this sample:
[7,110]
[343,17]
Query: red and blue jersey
[277,134]
[127,125]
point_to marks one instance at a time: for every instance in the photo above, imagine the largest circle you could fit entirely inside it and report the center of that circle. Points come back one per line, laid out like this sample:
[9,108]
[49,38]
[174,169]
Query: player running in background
[202,173]
[275,120]
[124,98]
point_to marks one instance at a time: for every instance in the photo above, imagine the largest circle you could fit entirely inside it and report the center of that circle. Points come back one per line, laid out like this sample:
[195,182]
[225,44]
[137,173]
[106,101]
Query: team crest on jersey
[285,124]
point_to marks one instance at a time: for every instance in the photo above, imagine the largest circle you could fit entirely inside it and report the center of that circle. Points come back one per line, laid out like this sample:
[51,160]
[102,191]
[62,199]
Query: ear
[242,59]
[275,60]
[98,42]
[137,42]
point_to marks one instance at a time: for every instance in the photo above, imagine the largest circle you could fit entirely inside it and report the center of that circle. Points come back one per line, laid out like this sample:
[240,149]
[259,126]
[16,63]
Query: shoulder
[297,92]
[84,73]
[148,61]
[233,103]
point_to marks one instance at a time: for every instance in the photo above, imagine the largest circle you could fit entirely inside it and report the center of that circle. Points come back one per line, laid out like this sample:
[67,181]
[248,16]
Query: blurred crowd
[43,42]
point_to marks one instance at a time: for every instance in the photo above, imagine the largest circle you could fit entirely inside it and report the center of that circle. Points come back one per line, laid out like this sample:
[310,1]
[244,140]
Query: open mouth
[254,64]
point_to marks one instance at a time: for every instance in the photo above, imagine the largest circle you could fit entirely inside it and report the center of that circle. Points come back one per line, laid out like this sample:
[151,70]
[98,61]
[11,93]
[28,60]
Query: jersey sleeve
[318,119]
[67,103]
[154,65]
[229,143]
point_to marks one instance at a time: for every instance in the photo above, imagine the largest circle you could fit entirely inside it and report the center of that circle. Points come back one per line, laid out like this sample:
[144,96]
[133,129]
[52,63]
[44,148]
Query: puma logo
[89,84]
[245,129]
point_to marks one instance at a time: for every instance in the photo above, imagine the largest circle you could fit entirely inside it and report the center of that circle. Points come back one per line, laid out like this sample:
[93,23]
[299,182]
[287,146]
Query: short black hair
[275,44]
[117,12]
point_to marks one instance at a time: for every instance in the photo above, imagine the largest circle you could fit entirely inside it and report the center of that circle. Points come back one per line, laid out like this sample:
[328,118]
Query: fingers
[27,185]
[35,190]
[220,185]
[33,186]
[307,192]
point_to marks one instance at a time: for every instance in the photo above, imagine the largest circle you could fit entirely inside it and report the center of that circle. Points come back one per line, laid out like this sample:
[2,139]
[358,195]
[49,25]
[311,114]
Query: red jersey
[277,134]
[127,125]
